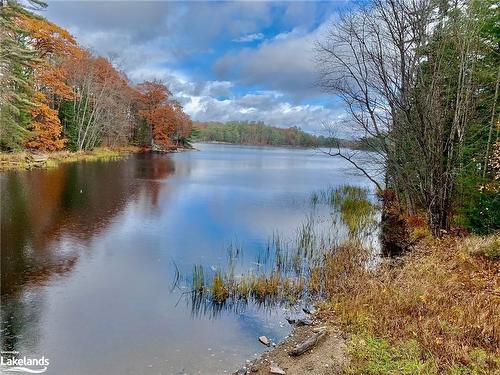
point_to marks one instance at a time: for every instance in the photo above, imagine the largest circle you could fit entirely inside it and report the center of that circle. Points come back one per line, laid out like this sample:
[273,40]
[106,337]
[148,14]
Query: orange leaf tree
[46,126]
[157,111]
[183,126]
[52,46]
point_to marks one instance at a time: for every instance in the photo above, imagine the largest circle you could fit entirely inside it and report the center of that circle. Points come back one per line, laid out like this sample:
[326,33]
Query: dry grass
[444,298]
[219,289]
[436,310]
[22,160]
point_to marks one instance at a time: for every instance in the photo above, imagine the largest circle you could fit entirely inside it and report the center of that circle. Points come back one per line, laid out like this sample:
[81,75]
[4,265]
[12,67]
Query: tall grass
[443,298]
[436,310]
[288,270]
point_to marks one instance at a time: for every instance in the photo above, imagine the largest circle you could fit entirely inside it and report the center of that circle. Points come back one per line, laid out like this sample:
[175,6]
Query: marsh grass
[198,280]
[22,160]
[219,288]
[288,270]
[434,311]
[357,211]
[443,298]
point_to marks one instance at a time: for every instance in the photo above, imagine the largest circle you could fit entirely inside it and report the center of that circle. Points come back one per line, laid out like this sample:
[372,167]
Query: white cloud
[262,107]
[285,63]
[145,39]
[249,38]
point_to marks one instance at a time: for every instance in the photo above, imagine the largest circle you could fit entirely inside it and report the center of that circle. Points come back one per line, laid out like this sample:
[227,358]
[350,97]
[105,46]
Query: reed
[219,288]
[288,270]
[436,310]
[198,280]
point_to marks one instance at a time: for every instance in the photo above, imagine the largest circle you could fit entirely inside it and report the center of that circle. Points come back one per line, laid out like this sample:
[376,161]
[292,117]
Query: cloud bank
[223,61]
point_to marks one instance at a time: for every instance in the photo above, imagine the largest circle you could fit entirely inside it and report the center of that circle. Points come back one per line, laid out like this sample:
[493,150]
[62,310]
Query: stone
[264,340]
[309,310]
[319,329]
[304,322]
[241,371]
[276,370]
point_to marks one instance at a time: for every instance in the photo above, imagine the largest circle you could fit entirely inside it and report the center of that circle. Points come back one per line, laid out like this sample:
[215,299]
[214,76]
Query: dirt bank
[326,357]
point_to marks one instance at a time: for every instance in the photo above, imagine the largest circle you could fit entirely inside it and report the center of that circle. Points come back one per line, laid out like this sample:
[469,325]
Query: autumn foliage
[46,127]
[71,98]
[165,117]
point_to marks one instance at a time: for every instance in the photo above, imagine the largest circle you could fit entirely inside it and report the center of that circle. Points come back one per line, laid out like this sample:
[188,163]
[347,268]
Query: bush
[483,214]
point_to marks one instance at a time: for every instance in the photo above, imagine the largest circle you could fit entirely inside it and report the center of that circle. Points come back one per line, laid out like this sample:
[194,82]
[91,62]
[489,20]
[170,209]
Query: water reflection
[49,216]
[89,252]
[289,271]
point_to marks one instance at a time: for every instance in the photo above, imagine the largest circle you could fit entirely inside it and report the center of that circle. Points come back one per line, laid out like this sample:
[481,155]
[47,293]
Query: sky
[245,60]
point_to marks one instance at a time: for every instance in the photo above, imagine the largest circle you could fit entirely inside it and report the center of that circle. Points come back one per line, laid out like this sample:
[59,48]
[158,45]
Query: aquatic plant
[198,280]
[314,198]
[219,288]
[310,265]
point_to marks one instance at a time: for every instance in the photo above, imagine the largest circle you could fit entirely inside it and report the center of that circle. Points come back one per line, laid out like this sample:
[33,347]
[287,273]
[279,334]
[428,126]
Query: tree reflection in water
[49,217]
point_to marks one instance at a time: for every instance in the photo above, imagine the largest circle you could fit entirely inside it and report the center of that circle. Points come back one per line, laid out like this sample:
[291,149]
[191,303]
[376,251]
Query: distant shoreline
[256,145]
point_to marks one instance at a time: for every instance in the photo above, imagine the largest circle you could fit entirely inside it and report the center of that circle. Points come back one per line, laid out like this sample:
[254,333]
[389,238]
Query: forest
[56,95]
[257,133]
[420,83]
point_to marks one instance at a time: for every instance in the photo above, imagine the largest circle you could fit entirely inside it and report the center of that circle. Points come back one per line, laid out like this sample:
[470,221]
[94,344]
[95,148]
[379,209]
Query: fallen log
[307,344]
[37,158]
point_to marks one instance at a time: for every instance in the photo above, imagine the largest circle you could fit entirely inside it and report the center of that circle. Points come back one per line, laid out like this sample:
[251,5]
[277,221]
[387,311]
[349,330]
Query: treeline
[257,133]
[421,78]
[56,95]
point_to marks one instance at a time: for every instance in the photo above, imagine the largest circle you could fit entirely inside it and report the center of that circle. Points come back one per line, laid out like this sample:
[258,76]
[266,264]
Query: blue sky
[222,60]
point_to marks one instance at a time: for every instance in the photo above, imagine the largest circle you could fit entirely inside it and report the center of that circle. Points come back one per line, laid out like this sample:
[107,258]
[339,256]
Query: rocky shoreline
[327,355]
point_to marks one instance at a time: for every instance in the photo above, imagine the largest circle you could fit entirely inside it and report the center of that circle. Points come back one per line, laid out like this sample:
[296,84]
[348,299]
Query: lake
[96,256]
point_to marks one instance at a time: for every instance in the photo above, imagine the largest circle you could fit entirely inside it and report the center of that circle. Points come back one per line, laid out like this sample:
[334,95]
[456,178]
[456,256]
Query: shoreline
[327,357]
[26,160]
[281,146]
[256,145]
[408,314]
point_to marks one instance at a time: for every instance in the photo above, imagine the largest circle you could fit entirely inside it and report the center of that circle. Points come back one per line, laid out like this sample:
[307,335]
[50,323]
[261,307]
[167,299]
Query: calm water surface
[90,251]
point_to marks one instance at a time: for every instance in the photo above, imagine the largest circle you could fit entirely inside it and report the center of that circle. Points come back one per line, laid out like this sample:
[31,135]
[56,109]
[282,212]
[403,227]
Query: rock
[300,321]
[254,369]
[276,370]
[264,340]
[241,371]
[309,310]
[319,329]
[37,158]
[303,322]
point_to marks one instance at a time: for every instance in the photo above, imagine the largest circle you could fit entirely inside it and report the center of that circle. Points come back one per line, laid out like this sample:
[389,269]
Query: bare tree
[389,63]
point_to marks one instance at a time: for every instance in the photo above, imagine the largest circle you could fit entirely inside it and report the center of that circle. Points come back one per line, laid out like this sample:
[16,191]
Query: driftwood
[37,158]
[308,344]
